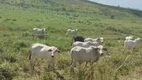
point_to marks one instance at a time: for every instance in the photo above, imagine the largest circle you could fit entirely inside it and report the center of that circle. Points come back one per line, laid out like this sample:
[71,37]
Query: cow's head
[100,40]
[101,50]
[76,29]
[54,51]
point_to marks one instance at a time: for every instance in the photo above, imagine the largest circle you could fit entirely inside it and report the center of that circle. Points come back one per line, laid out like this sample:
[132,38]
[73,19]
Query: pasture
[17,22]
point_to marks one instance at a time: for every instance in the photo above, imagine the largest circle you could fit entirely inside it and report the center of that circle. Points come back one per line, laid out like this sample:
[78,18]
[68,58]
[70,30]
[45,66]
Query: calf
[43,51]
[71,31]
[40,32]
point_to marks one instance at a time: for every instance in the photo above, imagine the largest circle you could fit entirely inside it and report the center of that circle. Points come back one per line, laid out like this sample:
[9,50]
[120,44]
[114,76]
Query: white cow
[129,37]
[85,44]
[43,51]
[81,54]
[40,32]
[72,31]
[100,40]
[131,43]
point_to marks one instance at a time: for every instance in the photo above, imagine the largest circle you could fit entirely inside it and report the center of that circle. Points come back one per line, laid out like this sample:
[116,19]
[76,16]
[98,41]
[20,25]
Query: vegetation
[19,17]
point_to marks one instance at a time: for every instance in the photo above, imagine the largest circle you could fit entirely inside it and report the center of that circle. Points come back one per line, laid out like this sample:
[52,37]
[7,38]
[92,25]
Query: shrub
[6,72]
[112,17]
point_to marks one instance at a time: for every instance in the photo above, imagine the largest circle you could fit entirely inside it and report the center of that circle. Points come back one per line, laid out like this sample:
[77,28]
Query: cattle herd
[84,49]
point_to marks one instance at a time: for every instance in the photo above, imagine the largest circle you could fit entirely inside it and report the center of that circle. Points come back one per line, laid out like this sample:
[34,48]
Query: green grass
[18,18]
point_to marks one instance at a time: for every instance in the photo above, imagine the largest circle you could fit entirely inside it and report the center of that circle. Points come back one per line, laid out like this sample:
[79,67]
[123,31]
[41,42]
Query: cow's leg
[72,66]
[53,64]
[49,64]
[31,62]
[133,50]
[85,65]
[124,50]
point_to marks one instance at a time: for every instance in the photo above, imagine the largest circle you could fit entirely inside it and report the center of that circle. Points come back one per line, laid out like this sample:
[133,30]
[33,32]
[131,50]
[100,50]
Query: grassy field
[19,17]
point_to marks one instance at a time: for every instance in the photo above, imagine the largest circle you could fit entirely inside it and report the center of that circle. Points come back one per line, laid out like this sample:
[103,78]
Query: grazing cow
[71,31]
[129,37]
[78,38]
[85,44]
[40,32]
[43,51]
[81,54]
[100,40]
[131,43]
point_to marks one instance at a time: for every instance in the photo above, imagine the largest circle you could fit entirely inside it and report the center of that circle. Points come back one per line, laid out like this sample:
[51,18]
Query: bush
[6,72]
[112,17]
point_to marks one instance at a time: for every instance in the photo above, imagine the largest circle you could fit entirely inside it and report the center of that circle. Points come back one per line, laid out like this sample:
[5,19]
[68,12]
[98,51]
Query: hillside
[65,11]
[82,6]
[19,17]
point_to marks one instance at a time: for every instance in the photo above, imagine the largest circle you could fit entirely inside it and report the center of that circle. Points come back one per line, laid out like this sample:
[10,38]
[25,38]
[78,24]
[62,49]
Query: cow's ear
[105,49]
[58,51]
[50,50]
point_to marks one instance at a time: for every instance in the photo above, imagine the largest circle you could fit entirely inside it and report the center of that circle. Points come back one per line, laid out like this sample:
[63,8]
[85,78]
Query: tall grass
[18,18]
